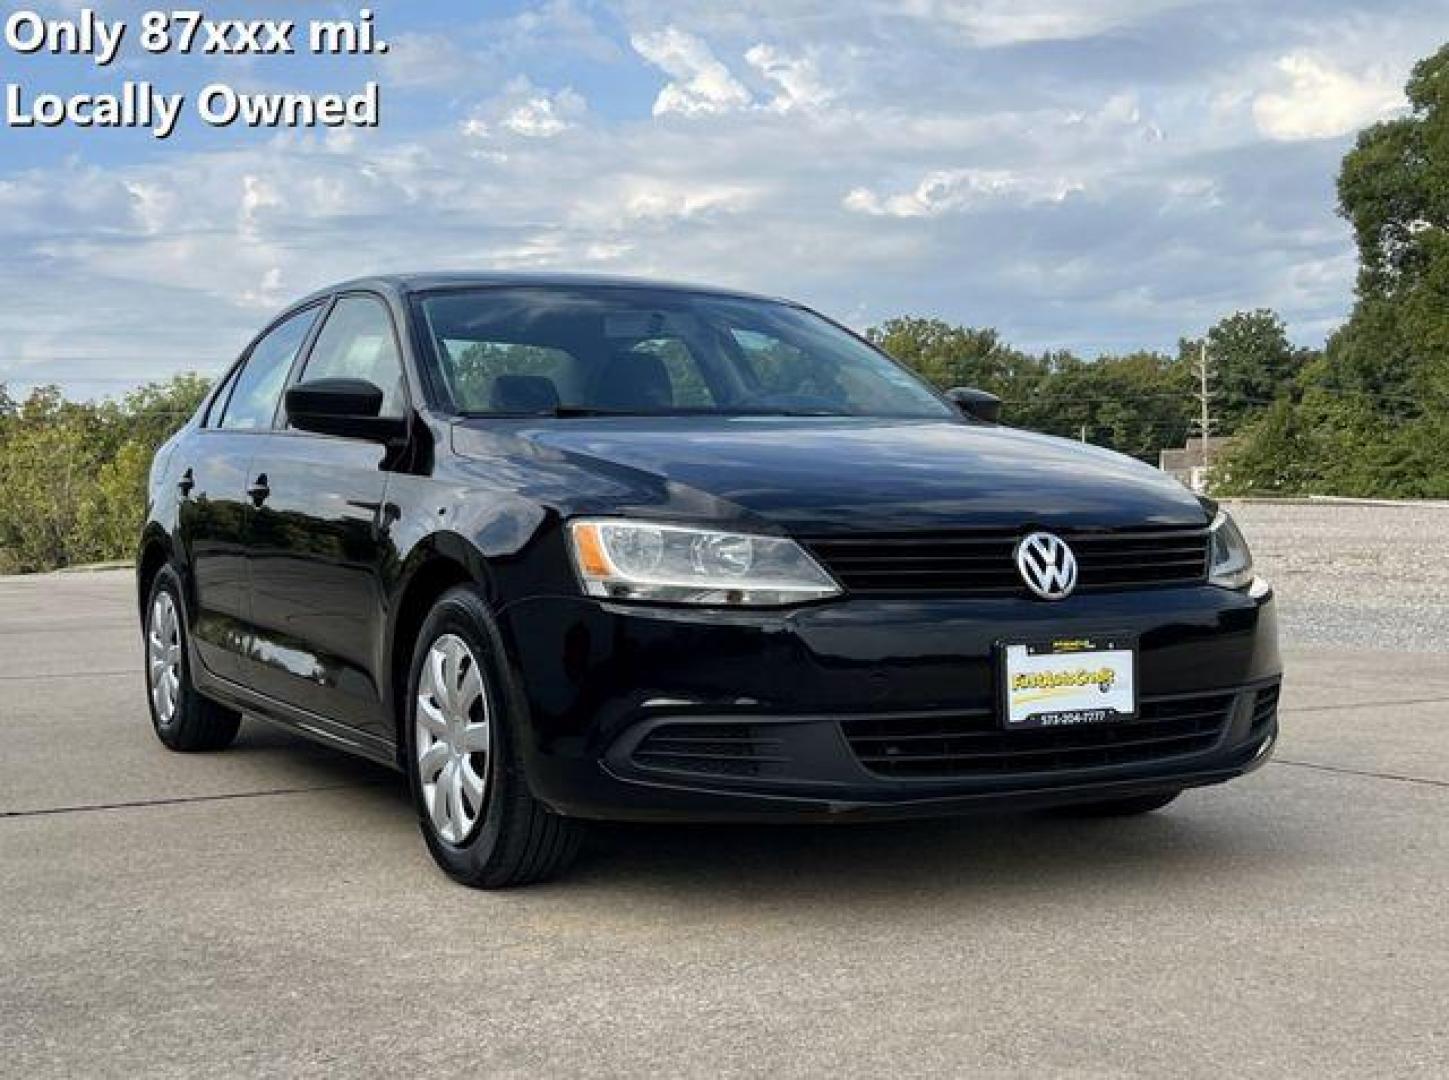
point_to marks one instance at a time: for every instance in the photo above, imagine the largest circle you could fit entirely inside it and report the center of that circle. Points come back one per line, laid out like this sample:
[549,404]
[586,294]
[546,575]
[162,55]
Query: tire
[1137,804]
[461,722]
[182,719]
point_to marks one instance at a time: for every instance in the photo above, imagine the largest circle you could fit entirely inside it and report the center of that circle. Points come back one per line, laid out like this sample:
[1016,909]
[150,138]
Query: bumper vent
[717,749]
[971,744]
[982,563]
[1265,707]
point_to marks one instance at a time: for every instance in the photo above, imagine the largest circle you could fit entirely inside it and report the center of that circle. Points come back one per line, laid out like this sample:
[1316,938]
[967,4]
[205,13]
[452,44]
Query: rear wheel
[1136,804]
[181,717]
[478,816]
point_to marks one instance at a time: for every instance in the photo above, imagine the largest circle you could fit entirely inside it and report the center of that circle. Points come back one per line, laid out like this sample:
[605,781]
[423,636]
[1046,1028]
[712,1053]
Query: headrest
[524,394]
[632,380]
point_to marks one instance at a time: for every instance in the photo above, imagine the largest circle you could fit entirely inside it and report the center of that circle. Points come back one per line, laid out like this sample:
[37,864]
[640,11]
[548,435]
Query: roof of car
[425,281]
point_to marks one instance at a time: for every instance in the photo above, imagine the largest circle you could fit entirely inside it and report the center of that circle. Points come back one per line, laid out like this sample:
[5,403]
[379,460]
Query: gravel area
[1353,573]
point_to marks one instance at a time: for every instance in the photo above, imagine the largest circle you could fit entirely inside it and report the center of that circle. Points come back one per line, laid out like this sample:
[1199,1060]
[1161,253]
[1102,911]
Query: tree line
[1367,414]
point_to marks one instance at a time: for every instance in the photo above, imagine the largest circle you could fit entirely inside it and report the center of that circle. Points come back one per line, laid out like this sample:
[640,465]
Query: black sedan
[567,548]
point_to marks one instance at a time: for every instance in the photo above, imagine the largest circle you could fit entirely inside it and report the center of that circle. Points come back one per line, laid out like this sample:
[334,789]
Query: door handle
[186,483]
[259,490]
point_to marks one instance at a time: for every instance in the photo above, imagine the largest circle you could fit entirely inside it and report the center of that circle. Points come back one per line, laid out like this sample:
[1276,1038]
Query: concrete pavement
[272,909]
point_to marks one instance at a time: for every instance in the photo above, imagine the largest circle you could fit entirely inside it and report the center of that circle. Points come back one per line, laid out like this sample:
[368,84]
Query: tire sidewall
[462,611]
[167,582]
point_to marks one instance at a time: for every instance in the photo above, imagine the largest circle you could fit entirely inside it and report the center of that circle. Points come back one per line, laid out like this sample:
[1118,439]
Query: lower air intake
[717,749]
[972,744]
[1265,707]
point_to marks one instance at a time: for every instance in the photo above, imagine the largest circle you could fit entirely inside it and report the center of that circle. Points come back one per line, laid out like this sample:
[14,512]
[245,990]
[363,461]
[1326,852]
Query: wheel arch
[152,554]
[443,561]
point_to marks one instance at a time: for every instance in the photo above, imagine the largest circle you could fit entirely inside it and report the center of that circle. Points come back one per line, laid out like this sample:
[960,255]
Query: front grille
[983,563]
[971,743]
[1265,707]
[719,749]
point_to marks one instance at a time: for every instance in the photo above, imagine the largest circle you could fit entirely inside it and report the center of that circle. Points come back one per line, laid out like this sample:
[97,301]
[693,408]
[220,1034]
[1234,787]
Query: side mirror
[977,404]
[345,407]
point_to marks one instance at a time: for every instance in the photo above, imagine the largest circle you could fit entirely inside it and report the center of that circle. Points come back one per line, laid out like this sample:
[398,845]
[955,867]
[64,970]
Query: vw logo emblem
[1047,566]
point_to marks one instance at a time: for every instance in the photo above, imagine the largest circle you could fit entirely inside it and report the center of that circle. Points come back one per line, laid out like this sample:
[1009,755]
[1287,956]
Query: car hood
[818,475]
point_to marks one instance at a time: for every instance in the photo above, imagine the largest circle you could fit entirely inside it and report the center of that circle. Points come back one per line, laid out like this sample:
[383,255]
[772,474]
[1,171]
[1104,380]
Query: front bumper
[646,713]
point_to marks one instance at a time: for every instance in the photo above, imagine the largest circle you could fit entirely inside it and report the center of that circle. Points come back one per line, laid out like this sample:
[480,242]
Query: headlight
[1231,564]
[633,560]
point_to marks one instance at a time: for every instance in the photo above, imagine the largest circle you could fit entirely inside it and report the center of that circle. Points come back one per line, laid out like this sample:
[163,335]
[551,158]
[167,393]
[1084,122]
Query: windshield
[631,351]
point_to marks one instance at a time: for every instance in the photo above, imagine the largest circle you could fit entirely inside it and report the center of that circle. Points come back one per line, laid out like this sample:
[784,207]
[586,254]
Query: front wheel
[181,717]
[478,816]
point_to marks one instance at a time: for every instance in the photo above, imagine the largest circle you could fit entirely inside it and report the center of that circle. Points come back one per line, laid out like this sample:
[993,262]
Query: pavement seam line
[181,800]
[1399,778]
[1364,705]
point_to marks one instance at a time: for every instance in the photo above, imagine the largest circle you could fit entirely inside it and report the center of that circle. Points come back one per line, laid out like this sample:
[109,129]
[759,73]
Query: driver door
[320,543]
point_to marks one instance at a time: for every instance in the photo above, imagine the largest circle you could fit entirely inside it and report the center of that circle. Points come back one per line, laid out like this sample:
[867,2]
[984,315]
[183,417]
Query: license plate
[1067,682]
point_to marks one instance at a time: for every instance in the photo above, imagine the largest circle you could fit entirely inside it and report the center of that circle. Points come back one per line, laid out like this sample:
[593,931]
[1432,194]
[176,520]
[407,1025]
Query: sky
[1096,175]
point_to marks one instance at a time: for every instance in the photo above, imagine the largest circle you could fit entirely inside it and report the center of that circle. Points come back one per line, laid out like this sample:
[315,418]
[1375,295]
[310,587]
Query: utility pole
[1204,398]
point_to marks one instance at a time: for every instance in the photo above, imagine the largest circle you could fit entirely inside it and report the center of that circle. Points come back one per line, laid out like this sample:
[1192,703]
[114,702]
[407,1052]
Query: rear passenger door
[212,479]
[319,539]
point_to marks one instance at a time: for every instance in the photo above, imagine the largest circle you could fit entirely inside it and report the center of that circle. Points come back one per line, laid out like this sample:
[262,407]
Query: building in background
[1191,463]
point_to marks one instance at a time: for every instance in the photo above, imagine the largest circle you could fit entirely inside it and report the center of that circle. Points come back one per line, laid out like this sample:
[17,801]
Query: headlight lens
[1232,563]
[635,560]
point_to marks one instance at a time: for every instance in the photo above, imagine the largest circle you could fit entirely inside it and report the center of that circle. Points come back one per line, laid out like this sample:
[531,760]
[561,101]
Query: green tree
[46,458]
[1394,190]
[1252,364]
[1370,413]
[950,356]
[73,474]
[1136,403]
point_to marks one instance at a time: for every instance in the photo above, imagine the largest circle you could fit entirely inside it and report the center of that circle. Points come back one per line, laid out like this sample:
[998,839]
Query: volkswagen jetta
[567,548]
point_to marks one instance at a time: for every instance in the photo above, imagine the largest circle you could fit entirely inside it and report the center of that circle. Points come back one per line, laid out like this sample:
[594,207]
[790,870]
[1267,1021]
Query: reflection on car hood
[828,475]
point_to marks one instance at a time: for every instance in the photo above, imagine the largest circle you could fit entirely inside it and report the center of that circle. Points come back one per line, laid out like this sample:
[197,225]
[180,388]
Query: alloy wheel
[453,738]
[163,657]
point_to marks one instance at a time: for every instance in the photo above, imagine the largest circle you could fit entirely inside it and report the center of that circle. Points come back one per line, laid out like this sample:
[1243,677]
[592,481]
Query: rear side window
[357,342]
[257,389]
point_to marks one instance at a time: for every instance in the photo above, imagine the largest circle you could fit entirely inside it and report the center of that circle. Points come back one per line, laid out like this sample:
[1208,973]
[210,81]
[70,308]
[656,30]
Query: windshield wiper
[571,411]
[562,411]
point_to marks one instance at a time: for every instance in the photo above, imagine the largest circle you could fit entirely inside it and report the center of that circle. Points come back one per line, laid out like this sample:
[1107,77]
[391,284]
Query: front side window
[218,402]
[656,352]
[357,342]
[254,395]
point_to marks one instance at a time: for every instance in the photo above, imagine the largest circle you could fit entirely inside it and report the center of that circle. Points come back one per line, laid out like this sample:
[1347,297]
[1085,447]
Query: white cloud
[946,190]
[526,110]
[419,61]
[153,205]
[1321,100]
[700,84]
[835,132]
[257,195]
[542,117]
[478,51]
[634,199]
[554,27]
[798,78]
[1012,22]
